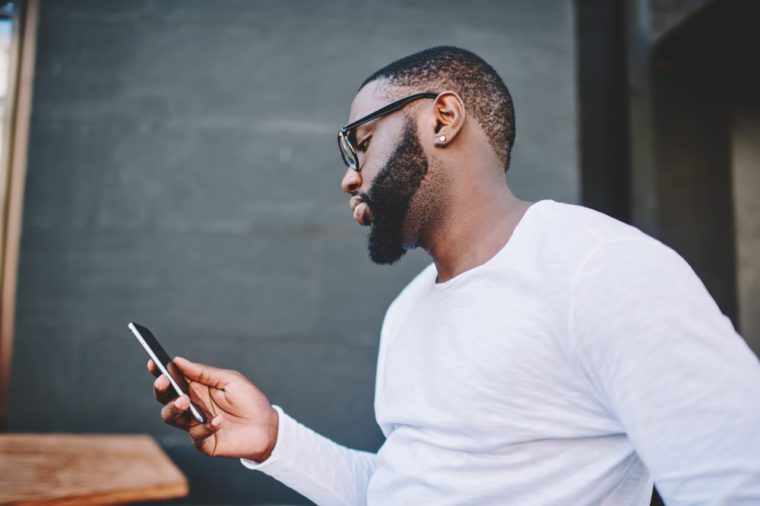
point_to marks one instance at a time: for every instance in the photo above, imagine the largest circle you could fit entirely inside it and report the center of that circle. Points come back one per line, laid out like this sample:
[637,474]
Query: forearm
[319,469]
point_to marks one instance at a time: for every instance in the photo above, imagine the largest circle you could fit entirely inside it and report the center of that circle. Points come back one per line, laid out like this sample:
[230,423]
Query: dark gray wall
[603,107]
[183,172]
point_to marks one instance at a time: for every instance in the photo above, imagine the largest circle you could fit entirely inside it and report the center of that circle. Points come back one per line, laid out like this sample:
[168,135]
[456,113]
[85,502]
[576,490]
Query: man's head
[411,160]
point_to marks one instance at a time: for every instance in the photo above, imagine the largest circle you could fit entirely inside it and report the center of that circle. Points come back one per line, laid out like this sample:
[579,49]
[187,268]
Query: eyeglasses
[347,150]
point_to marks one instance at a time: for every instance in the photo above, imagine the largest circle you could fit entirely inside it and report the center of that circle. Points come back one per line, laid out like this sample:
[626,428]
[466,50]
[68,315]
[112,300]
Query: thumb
[202,373]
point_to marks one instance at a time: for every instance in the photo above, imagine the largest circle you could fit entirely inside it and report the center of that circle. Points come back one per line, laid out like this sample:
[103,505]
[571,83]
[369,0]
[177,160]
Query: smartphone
[164,364]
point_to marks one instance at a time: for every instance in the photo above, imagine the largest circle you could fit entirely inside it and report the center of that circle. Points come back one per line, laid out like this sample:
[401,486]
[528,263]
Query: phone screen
[164,364]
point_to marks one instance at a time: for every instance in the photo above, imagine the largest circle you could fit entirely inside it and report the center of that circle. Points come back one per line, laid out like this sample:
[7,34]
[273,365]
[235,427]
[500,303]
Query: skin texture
[448,196]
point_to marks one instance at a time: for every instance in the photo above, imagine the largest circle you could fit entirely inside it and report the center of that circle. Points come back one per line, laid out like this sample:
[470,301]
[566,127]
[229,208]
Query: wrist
[272,430]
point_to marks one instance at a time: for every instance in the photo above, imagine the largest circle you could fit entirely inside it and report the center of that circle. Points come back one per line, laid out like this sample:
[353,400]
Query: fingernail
[180,403]
[217,421]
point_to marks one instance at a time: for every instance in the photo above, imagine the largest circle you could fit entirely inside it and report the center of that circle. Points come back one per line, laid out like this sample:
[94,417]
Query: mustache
[365,198]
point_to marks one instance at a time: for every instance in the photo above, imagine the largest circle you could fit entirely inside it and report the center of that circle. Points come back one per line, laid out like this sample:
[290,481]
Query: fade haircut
[448,68]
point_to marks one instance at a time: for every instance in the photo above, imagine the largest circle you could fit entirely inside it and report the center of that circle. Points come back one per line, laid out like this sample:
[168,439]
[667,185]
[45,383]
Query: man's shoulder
[555,239]
[615,257]
[578,222]
[606,240]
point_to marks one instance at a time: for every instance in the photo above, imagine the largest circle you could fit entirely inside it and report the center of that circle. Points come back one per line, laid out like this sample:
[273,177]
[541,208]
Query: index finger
[202,373]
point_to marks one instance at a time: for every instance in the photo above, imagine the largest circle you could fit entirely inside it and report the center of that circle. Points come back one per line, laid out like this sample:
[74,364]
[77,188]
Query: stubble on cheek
[426,209]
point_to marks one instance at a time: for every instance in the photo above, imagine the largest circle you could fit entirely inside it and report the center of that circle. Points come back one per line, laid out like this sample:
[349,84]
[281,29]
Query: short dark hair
[483,91]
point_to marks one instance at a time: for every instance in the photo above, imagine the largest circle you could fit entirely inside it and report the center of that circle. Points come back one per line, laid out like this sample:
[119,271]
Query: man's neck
[476,227]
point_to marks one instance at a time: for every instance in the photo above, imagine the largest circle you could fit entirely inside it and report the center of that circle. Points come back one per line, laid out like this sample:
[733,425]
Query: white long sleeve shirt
[580,363]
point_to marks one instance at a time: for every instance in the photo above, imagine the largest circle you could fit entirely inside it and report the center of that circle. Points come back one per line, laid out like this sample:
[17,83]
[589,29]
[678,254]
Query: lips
[362,213]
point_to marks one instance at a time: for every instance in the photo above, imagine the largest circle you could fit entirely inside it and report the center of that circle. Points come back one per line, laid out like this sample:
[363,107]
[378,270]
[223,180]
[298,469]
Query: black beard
[390,196]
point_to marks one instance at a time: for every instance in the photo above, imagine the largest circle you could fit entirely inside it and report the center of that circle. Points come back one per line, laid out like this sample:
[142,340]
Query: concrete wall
[745,163]
[183,172]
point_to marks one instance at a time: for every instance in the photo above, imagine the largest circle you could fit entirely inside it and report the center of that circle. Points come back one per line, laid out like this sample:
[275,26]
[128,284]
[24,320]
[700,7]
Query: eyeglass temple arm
[388,108]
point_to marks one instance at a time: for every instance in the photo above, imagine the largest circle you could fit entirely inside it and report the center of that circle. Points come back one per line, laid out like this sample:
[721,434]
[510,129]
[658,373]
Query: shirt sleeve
[317,468]
[672,370]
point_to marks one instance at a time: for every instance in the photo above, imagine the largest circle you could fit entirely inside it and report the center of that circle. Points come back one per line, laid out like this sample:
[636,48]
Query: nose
[351,181]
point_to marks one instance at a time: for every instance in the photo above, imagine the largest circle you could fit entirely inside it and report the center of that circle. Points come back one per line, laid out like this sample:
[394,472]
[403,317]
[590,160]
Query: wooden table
[85,469]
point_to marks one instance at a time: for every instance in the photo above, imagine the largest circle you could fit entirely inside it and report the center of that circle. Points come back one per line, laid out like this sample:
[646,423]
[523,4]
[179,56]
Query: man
[549,355]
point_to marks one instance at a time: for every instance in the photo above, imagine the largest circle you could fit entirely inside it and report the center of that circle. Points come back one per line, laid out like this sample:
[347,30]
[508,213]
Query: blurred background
[174,162]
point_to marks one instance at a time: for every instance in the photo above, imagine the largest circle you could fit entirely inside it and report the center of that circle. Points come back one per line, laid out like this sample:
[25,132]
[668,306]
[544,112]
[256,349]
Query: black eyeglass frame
[347,150]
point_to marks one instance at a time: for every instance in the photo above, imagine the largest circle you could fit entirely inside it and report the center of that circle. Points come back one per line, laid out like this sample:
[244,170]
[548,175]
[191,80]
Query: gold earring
[442,138]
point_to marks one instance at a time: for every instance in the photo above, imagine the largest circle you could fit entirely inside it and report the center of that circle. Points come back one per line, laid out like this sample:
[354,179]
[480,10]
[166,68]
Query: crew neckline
[509,245]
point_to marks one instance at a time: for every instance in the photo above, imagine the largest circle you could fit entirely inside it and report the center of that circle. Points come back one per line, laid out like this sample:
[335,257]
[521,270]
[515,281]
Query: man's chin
[384,250]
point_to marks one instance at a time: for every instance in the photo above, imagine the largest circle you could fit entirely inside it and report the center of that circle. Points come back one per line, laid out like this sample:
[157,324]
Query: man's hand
[241,422]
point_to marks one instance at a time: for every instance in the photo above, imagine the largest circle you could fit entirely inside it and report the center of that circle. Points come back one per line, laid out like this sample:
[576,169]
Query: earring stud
[442,138]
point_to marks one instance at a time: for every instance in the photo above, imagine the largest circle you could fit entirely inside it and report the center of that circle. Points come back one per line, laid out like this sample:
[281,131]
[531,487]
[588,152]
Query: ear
[449,115]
